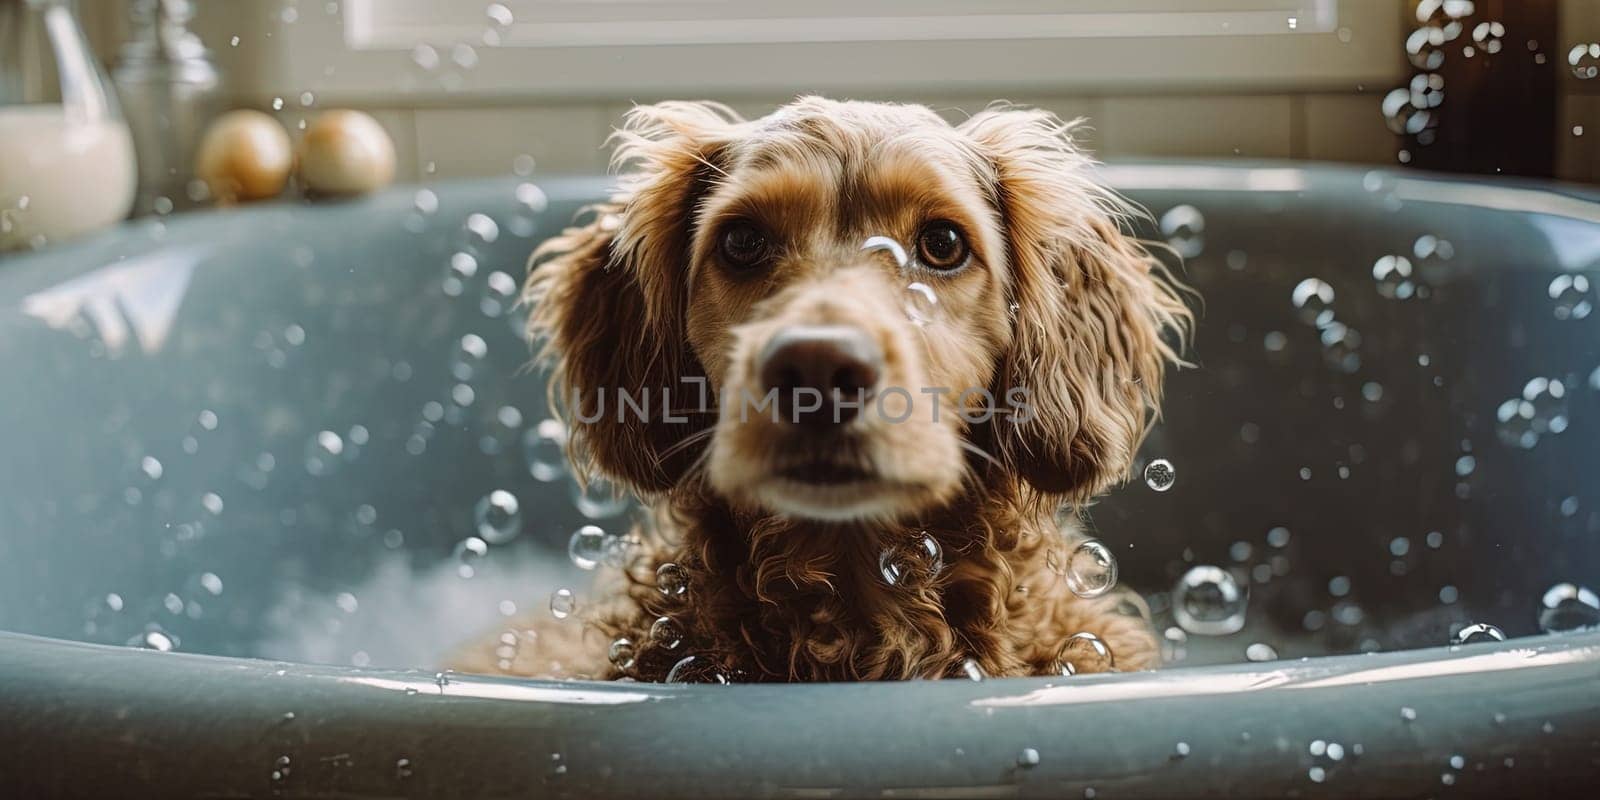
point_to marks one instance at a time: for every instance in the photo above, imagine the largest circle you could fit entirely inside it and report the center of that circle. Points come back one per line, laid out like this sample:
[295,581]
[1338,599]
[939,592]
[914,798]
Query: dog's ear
[609,303]
[1096,318]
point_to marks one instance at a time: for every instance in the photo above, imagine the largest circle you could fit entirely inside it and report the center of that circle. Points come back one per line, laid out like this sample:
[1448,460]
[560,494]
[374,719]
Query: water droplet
[468,553]
[920,304]
[599,498]
[1584,58]
[1091,569]
[323,453]
[1260,651]
[1478,633]
[621,654]
[1568,607]
[1180,751]
[1160,475]
[1208,601]
[587,547]
[1572,296]
[885,244]
[562,603]
[1028,758]
[1184,229]
[498,517]
[666,633]
[672,580]
[1393,276]
[697,669]
[1084,653]
[912,562]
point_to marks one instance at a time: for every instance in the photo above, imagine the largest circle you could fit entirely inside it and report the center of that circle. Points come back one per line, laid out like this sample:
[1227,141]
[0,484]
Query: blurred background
[466,87]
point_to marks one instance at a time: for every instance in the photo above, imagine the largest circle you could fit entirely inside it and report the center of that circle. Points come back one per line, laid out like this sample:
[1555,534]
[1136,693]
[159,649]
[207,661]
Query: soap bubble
[155,639]
[697,669]
[543,448]
[1568,607]
[1028,758]
[666,633]
[468,553]
[562,603]
[1425,47]
[587,546]
[1489,36]
[469,356]
[672,579]
[463,55]
[1083,653]
[498,516]
[499,294]
[1547,396]
[920,304]
[599,498]
[323,452]
[1427,91]
[1260,651]
[1341,346]
[972,671]
[1514,424]
[1572,297]
[1209,602]
[1478,633]
[425,56]
[1091,569]
[911,562]
[1160,475]
[500,431]
[1584,60]
[1393,276]
[1184,229]
[459,270]
[621,654]
[884,244]
[1313,301]
[1401,115]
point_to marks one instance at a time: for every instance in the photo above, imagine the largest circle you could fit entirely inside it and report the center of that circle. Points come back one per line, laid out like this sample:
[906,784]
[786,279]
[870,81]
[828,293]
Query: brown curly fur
[1058,301]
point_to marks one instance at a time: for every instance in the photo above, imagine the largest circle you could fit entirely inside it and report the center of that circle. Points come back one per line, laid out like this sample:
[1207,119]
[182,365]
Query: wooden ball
[245,155]
[346,152]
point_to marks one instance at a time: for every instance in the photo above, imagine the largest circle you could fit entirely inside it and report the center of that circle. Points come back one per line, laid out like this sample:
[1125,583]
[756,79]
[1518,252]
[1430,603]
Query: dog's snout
[821,373]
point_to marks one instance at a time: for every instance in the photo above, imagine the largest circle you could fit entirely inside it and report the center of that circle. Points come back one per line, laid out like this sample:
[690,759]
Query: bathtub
[243,450]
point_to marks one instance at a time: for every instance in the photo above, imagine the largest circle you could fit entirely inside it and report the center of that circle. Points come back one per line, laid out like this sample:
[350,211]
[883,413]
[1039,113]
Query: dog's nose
[822,373]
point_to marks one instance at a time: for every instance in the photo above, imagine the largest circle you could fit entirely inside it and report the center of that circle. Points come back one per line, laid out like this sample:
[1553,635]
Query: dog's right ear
[609,303]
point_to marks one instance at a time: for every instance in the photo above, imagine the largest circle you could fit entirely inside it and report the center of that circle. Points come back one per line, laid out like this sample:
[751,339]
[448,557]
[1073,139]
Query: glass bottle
[66,156]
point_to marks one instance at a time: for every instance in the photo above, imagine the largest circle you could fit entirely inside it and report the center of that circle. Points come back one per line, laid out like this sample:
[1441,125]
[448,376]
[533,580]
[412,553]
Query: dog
[846,529]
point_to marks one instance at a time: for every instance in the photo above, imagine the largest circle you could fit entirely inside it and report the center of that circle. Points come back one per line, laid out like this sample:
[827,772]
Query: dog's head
[732,314]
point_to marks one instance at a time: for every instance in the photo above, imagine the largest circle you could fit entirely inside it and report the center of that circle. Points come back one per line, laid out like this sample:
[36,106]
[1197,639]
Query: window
[643,48]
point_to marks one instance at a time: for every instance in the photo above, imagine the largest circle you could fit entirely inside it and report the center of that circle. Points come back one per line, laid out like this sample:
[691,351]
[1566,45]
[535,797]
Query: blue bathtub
[243,450]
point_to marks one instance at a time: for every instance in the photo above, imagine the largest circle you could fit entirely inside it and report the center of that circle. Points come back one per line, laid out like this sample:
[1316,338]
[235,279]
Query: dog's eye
[743,245]
[940,245]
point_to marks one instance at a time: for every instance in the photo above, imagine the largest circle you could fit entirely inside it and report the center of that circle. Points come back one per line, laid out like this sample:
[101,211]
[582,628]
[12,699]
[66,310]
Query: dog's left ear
[1096,317]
